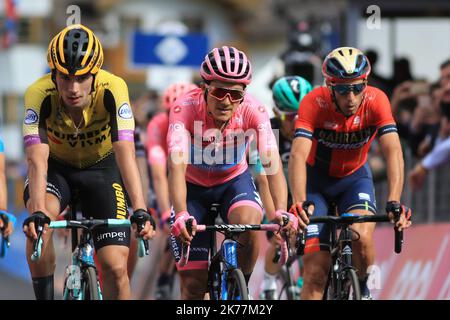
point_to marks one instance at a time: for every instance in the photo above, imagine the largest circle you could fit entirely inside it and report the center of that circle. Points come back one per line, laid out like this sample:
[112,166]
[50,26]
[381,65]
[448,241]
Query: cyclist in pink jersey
[157,160]
[209,133]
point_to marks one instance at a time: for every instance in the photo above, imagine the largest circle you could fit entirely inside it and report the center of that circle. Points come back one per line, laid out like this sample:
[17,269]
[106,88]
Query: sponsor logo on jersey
[176,126]
[125,111]
[344,140]
[364,196]
[356,121]
[53,139]
[31,116]
[322,103]
[330,125]
[313,230]
[177,109]
[263,126]
[112,235]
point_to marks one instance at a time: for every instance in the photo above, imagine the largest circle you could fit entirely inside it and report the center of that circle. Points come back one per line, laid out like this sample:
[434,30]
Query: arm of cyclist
[7,222]
[297,179]
[178,144]
[437,157]
[126,161]
[8,229]
[278,191]
[267,146]
[178,192]
[37,157]
[392,151]
[266,198]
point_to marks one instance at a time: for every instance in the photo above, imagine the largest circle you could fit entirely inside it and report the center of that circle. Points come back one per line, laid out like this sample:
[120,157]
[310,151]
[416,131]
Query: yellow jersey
[107,119]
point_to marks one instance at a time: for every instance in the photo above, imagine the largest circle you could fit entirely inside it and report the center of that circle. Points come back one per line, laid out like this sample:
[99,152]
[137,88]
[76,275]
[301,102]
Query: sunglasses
[221,93]
[344,89]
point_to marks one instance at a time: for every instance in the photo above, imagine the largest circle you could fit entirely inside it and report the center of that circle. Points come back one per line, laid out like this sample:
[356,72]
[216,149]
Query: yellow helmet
[76,51]
[344,64]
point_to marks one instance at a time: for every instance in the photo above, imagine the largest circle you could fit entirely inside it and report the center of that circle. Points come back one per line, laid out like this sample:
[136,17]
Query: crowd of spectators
[422,112]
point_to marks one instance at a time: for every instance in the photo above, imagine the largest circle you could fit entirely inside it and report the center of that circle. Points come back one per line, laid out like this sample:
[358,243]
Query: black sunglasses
[344,89]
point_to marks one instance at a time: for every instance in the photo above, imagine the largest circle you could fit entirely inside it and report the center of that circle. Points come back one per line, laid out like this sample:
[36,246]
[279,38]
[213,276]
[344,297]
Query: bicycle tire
[328,293]
[289,287]
[90,287]
[237,285]
[352,285]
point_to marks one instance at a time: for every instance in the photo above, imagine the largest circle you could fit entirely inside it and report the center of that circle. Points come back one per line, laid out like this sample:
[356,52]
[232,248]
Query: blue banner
[171,50]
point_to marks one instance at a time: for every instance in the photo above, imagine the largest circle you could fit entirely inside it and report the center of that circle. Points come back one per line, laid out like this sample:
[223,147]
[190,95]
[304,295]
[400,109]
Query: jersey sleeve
[382,112]
[307,115]
[438,156]
[117,103]
[155,143]
[178,135]
[37,109]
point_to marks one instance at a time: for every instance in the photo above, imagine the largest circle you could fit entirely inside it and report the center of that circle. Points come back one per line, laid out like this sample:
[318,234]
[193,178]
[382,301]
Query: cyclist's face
[74,90]
[222,99]
[350,100]
[287,123]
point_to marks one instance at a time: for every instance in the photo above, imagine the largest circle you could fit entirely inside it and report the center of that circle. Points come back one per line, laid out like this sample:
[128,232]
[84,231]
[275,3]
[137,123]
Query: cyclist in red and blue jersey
[328,164]
[210,130]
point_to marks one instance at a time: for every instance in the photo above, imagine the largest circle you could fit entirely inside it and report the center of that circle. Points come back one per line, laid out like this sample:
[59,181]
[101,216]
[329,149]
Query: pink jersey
[156,139]
[216,157]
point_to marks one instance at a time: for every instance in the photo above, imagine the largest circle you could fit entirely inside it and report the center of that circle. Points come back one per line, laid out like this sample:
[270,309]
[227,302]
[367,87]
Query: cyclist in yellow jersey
[78,133]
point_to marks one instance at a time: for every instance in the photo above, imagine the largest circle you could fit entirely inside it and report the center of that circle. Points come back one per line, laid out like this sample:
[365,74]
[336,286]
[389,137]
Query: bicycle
[225,279]
[287,279]
[342,282]
[81,281]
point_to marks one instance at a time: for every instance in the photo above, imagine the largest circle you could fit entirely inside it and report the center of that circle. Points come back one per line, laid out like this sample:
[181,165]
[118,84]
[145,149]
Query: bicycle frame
[83,254]
[341,248]
[82,257]
[341,257]
[224,261]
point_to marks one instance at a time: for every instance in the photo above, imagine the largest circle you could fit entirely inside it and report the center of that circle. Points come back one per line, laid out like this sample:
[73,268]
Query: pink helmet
[226,64]
[175,91]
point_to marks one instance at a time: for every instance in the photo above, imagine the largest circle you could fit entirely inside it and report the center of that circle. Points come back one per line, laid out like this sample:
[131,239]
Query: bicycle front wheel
[237,288]
[351,289]
[90,287]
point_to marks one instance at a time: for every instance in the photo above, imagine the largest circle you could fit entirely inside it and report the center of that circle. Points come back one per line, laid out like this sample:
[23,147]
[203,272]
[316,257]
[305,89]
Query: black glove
[397,209]
[140,217]
[39,218]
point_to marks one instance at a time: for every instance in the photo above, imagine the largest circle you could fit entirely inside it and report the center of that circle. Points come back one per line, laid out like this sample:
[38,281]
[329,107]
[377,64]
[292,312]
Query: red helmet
[226,64]
[175,91]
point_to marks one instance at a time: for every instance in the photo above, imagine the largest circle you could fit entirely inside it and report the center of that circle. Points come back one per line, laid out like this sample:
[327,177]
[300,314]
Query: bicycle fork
[344,261]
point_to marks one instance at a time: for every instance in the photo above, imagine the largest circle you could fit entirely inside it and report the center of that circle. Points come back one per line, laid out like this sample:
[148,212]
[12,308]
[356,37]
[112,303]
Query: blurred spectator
[415,107]
[376,80]
[402,71]
[403,103]
[444,100]
[426,121]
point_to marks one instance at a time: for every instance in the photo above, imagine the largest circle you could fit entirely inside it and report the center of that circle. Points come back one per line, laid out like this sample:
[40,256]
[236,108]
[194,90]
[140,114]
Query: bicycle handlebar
[237,228]
[89,224]
[350,218]
[232,228]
